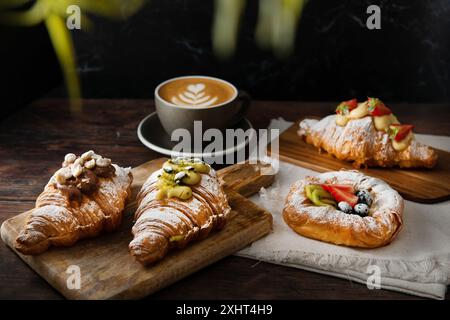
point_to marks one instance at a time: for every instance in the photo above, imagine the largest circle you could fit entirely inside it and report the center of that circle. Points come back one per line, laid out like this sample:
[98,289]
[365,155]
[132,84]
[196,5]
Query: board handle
[247,178]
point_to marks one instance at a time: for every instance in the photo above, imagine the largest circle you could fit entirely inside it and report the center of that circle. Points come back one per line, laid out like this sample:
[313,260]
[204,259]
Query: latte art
[201,92]
[194,95]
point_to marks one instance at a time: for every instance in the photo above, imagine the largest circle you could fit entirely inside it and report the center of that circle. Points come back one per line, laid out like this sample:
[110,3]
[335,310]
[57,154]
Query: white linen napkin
[417,262]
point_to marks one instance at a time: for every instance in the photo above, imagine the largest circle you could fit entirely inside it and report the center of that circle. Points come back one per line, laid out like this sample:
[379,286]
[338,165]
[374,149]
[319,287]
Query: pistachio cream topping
[178,175]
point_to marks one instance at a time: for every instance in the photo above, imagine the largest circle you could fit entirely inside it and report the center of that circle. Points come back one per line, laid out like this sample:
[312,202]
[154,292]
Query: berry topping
[344,187]
[377,107]
[341,195]
[398,132]
[364,197]
[362,209]
[346,106]
[345,207]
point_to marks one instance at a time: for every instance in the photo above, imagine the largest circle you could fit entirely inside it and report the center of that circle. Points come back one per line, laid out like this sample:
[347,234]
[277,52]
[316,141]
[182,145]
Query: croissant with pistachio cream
[83,198]
[367,134]
[179,203]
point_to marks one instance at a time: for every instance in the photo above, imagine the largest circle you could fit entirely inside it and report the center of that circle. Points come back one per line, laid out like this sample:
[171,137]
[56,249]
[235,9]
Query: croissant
[359,142]
[176,205]
[81,199]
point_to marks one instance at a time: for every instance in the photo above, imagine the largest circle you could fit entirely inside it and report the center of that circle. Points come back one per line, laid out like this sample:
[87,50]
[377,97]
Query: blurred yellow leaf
[277,25]
[54,14]
[62,42]
[226,25]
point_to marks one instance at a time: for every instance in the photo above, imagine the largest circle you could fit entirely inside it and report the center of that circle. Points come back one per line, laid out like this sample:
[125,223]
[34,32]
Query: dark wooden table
[34,140]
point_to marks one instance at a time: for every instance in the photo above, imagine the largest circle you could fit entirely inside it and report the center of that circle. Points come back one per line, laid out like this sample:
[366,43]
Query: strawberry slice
[377,107]
[340,195]
[346,106]
[398,132]
[344,187]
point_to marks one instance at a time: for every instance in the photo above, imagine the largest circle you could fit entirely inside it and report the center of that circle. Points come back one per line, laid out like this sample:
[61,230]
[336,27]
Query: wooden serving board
[419,185]
[108,271]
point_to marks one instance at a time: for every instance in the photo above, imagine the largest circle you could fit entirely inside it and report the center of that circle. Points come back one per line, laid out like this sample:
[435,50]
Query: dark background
[336,56]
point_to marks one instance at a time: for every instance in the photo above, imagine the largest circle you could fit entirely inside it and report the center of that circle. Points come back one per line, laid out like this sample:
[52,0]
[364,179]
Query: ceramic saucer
[151,133]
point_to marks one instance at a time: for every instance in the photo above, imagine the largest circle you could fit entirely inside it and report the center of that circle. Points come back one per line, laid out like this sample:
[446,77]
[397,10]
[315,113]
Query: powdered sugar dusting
[386,202]
[359,141]
[56,218]
[159,220]
[195,204]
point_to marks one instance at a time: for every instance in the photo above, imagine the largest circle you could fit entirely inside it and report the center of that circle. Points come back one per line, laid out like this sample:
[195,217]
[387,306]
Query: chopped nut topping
[77,170]
[90,164]
[70,158]
[81,175]
[60,178]
[77,162]
[62,175]
[103,162]
[87,155]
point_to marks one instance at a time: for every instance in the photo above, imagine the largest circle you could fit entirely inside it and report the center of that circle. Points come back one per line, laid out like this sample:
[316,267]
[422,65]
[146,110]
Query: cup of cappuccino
[215,102]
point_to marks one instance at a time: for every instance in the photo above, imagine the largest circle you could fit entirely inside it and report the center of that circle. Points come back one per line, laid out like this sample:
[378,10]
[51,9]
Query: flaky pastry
[178,204]
[85,197]
[367,134]
[326,223]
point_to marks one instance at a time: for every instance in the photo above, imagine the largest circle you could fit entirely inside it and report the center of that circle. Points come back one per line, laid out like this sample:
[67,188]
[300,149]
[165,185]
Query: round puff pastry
[331,225]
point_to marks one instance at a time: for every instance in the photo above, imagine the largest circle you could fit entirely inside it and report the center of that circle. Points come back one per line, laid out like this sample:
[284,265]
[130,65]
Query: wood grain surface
[34,140]
[107,269]
[419,185]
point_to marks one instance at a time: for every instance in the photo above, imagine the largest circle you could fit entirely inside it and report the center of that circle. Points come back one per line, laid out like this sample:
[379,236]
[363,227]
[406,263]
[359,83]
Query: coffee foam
[198,92]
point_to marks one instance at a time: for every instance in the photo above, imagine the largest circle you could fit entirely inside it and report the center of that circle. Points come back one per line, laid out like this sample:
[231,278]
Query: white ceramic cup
[221,116]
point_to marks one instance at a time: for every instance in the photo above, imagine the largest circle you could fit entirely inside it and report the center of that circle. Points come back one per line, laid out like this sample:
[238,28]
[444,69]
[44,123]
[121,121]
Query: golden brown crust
[359,142]
[330,225]
[173,223]
[58,221]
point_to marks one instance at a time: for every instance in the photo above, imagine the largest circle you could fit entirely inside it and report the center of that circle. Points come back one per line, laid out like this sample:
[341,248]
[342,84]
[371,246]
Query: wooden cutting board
[108,271]
[419,185]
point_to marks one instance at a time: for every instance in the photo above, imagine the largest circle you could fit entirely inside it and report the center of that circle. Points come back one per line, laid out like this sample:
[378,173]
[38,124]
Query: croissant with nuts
[86,196]
[180,203]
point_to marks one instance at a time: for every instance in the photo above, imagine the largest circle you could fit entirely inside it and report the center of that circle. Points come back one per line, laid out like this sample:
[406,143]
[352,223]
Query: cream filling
[382,123]
[402,145]
[360,111]
[341,120]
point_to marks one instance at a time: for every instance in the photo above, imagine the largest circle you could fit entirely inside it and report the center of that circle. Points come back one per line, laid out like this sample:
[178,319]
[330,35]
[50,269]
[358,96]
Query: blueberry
[364,197]
[362,209]
[345,207]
